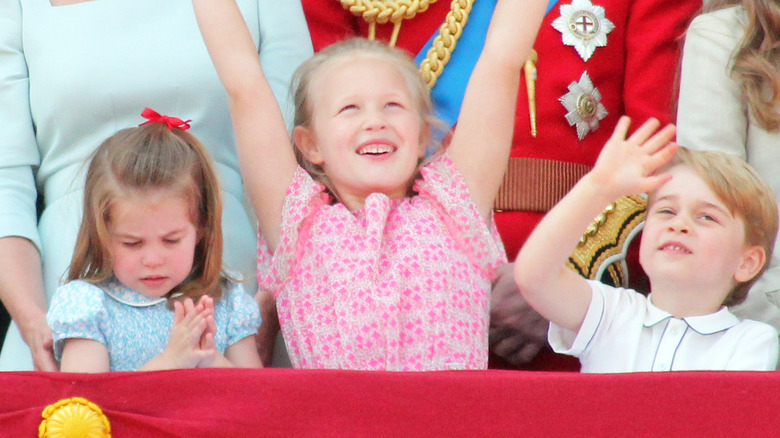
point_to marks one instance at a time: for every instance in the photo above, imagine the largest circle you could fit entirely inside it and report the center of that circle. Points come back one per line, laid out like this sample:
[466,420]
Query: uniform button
[675,331]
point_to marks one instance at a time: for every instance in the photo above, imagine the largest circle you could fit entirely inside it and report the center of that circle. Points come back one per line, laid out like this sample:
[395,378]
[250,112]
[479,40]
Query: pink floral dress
[402,284]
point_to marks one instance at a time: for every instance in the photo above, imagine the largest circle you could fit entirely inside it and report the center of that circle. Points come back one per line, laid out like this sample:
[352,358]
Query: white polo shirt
[623,332]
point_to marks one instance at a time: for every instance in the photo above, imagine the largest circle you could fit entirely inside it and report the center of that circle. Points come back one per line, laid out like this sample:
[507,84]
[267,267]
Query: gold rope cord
[383,11]
[395,11]
[444,43]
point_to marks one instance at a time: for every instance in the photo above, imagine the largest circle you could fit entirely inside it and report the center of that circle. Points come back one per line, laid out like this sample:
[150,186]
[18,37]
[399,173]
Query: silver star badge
[583,103]
[584,26]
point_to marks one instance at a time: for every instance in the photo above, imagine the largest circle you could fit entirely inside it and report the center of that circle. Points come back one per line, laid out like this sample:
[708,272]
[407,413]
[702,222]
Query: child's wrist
[598,189]
[168,359]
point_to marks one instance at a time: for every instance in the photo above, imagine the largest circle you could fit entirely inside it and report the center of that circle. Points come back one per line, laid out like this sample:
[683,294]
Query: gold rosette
[74,418]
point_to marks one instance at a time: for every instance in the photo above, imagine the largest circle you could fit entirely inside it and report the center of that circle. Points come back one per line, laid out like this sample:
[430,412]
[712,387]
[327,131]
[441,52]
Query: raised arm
[624,167]
[483,136]
[264,150]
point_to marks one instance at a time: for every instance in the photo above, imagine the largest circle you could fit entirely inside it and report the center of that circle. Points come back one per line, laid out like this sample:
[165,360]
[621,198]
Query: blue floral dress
[135,328]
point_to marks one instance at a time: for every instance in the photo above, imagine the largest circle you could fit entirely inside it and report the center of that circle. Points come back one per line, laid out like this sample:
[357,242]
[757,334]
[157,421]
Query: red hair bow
[172,122]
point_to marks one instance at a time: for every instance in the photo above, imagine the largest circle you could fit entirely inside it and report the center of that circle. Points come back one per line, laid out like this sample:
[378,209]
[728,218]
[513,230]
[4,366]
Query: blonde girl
[373,267]
[145,288]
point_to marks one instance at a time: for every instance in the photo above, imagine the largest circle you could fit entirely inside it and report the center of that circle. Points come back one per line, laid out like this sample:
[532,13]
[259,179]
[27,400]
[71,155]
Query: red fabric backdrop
[294,403]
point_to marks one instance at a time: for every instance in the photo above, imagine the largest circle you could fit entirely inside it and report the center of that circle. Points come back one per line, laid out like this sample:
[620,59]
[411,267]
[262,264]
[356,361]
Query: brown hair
[136,160]
[358,47]
[745,194]
[756,61]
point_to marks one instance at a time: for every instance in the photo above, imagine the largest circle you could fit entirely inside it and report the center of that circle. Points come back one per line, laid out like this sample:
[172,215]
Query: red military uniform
[634,74]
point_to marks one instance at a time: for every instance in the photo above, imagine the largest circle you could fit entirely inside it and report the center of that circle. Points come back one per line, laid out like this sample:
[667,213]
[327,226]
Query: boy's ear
[753,259]
[306,142]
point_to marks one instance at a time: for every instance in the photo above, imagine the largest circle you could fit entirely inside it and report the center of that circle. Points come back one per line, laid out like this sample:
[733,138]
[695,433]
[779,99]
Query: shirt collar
[654,315]
[714,322]
[702,324]
[125,295]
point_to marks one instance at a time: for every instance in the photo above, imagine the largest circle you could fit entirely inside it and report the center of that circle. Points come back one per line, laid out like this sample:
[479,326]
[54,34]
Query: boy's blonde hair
[358,47]
[136,160]
[745,194]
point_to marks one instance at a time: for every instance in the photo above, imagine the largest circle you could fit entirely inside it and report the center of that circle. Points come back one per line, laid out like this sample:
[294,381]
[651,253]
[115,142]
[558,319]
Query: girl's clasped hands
[192,340]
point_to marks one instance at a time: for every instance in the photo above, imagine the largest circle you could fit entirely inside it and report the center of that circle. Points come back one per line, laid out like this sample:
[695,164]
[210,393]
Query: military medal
[584,26]
[583,103]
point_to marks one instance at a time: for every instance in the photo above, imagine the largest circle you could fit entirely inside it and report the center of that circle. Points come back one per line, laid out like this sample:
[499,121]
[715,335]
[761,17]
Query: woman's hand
[517,331]
[21,290]
[38,336]
[269,327]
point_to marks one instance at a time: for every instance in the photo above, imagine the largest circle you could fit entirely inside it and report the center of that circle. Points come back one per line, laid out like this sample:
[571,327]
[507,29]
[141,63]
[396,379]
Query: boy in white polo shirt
[709,234]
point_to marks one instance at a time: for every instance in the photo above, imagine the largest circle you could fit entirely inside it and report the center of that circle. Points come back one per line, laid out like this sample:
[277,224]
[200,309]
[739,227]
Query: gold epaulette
[604,244]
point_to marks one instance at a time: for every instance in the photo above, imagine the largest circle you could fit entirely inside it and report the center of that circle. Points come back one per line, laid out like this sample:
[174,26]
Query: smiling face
[152,241]
[366,132]
[691,241]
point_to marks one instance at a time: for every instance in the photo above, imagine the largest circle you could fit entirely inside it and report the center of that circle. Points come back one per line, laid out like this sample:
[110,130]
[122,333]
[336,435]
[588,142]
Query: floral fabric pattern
[135,328]
[402,284]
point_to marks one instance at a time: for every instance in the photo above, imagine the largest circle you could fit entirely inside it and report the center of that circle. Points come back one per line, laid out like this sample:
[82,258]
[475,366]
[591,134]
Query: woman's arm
[264,150]
[483,137]
[21,285]
[21,290]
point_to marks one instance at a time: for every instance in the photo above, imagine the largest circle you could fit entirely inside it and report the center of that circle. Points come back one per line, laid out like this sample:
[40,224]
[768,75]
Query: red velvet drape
[295,403]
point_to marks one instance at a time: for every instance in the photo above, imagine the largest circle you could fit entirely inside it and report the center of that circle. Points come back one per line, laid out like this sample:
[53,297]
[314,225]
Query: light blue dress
[136,328]
[71,76]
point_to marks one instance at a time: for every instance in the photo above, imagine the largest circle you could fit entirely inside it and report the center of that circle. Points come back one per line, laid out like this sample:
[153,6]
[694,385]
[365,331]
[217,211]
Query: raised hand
[625,166]
[628,165]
